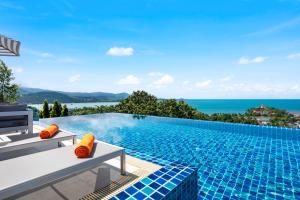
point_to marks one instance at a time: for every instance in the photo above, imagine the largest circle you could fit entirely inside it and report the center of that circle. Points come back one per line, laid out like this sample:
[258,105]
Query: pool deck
[101,182]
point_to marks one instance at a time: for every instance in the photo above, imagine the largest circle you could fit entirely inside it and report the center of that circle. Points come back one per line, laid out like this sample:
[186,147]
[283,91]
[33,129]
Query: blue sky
[189,49]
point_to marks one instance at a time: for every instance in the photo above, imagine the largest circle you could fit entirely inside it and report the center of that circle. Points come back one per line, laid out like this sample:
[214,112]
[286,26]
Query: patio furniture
[16,121]
[4,140]
[33,140]
[32,171]
[9,47]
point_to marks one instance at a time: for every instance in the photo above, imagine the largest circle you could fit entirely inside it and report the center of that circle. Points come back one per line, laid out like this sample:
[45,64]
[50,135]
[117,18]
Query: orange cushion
[85,147]
[49,132]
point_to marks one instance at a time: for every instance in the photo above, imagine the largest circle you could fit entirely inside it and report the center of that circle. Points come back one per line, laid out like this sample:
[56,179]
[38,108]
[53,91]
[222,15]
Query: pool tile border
[173,181]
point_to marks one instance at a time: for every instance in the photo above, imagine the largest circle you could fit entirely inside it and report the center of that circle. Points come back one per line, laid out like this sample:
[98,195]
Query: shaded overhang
[9,47]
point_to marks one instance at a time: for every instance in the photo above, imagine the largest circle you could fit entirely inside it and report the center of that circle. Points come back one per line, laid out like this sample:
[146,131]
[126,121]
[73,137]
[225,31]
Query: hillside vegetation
[37,96]
[142,103]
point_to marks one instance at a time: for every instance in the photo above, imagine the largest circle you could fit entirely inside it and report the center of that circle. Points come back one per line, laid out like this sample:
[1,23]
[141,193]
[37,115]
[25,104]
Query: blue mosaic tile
[152,177]
[163,190]
[148,190]
[146,181]
[157,196]
[163,170]
[175,170]
[139,185]
[175,181]
[160,188]
[131,190]
[160,181]
[154,185]
[166,177]
[236,161]
[170,185]
[140,196]
[171,173]
[122,196]
[158,173]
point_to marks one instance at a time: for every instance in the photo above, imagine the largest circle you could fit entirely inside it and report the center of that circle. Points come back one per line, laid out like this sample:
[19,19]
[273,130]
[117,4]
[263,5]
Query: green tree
[56,110]
[65,111]
[50,109]
[60,109]
[8,90]
[140,102]
[41,114]
[45,111]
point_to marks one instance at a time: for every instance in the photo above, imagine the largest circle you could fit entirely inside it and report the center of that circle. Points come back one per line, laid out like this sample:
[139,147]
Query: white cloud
[276,28]
[245,60]
[45,55]
[185,83]
[203,84]
[295,88]
[120,51]
[258,88]
[38,53]
[129,80]
[74,78]
[293,56]
[155,74]
[68,60]
[164,80]
[225,79]
[17,69]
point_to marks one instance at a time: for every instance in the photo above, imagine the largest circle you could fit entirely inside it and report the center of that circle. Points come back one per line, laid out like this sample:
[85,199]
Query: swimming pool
[235,161]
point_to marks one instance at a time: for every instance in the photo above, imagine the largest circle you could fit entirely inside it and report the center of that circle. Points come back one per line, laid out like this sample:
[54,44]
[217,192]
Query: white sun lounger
[23,141]
[25,173]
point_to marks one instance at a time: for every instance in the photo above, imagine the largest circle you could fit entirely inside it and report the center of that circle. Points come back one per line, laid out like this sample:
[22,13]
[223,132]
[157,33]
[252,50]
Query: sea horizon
[210,106]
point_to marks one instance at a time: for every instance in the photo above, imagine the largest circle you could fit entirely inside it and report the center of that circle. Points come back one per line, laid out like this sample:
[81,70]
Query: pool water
[234,161]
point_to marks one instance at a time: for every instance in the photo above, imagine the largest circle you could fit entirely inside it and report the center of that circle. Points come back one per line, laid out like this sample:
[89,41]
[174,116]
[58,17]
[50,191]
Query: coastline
[210,106]
[78,105]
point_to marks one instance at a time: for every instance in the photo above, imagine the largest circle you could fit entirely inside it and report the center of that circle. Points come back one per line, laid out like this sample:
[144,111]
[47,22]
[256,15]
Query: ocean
[78,105]
[210,106]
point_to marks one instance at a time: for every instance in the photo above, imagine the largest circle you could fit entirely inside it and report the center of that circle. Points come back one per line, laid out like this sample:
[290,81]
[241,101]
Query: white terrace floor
[100,183]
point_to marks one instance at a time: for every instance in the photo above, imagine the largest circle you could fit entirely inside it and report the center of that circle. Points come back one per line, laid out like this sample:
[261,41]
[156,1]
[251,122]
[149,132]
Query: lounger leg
[30,122]
[123,164]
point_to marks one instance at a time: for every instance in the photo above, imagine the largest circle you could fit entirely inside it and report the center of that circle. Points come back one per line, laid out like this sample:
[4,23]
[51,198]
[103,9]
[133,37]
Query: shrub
[65,111]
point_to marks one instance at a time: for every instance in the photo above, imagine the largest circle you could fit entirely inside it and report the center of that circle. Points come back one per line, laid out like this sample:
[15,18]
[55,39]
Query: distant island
[275,117]
[37,96]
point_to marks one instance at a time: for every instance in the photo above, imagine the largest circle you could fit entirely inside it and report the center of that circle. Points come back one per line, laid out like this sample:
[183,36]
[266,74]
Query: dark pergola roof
[9,47]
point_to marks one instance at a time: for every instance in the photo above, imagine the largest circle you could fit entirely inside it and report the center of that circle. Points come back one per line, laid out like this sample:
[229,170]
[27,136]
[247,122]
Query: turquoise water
[234,161]
[210,106]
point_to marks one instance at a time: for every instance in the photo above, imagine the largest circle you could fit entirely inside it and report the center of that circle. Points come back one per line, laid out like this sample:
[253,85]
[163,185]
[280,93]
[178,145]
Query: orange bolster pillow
[85,147]
[49,132]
